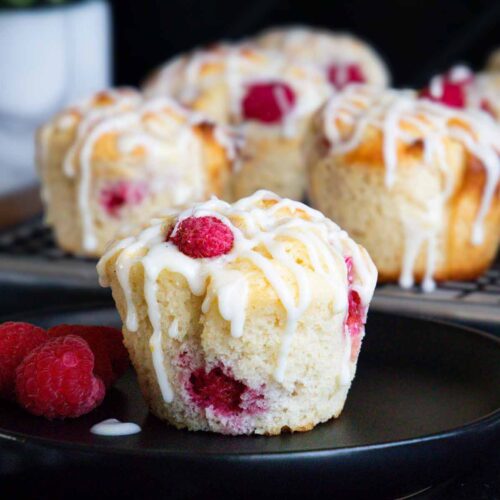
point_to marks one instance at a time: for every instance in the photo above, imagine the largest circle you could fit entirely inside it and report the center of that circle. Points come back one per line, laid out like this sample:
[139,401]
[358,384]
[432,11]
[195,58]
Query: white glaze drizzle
[257,226]
[240,66]
[173,329]
[113,427]
[432,124]
[89,113]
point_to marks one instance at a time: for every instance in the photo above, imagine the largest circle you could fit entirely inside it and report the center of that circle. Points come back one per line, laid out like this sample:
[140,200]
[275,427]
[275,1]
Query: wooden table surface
[20,205]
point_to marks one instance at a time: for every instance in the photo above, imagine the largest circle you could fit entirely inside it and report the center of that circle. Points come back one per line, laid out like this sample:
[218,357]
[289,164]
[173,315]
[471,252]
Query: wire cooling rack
[29,255]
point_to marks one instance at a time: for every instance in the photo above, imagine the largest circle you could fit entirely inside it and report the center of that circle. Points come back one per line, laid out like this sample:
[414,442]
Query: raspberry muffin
[114,159]
[462,89]
[244,318]
[414,181]
[269,99]
[343,58]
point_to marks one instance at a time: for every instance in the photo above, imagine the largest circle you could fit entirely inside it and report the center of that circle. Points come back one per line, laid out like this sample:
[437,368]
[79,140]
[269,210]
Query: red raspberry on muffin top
[202,237]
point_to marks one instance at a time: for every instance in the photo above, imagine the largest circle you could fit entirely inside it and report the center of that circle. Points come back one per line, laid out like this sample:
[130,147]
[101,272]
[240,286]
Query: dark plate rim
[481,424]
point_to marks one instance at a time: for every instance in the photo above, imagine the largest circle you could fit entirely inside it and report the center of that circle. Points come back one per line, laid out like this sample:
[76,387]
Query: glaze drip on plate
[113,427]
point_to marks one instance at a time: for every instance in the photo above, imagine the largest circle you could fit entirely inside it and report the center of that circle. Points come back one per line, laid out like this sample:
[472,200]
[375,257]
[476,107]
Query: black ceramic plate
[425,404]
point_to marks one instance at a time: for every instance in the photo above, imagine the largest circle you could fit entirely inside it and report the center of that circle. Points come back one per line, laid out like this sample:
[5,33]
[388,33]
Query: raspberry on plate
[56,379]
[202,237]
[16,341]
[111,357]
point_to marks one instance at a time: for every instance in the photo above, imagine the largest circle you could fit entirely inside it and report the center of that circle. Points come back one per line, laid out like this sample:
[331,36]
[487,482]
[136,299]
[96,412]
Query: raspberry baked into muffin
[243,318]
[115,158]
[268,98]
[344,58]
[414,181]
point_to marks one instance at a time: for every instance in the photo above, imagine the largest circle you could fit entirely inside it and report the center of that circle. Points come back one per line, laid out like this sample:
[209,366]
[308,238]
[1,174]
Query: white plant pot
[49,57]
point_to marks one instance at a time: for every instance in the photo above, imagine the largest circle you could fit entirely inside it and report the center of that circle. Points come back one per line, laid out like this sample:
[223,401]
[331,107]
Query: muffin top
[238,84]
[228,253]
[120,126]
[387,127]
[147,144]
[343,57]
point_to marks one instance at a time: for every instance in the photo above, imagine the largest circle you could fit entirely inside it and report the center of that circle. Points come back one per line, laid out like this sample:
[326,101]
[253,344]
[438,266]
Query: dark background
[416,37]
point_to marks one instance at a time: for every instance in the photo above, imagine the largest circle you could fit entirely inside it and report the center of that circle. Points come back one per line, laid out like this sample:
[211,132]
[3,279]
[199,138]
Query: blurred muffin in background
[342,57]
[414,181]
[268,98]
[114,159]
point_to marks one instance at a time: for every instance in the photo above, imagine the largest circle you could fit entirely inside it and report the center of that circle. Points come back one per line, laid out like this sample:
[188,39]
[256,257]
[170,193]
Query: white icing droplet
[460,73]
[155,344]
[231,289]
[173,329]
[113,427]
[436,87]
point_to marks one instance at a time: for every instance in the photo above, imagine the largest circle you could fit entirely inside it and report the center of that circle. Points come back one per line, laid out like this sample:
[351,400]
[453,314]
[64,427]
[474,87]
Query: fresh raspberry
[201,237]
[268,102]
[16,341]
[56,379]
[341,75]
[116,195]
[110,356]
